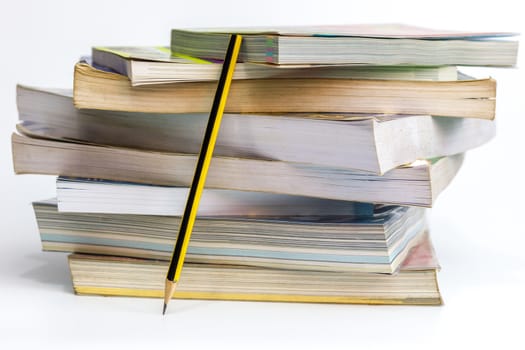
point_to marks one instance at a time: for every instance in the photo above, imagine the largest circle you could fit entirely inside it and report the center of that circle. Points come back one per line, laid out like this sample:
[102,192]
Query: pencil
[201,169]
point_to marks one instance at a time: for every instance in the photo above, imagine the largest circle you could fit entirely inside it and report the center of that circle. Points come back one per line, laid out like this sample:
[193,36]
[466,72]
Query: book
[158,65]
[378,243]
[467,97]
[114,197]
[356,141]
[416,184]
[373,44]
[415,284]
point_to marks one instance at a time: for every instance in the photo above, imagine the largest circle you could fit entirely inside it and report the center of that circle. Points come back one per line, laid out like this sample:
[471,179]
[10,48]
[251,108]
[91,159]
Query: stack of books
[334,141]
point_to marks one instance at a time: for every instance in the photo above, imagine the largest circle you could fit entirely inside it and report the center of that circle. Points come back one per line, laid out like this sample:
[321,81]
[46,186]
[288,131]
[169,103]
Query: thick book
[78,195]
[378,243]
[416,184]
[372,44]
[466,97]
[158,65]
[361,142]
[415,284]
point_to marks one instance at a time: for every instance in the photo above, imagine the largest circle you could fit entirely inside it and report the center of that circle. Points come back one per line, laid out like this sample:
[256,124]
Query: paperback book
[114,197]
[415,284]
[159,65]
[354,141]
[371,44]
[467,97]
[417,184]
[378,243]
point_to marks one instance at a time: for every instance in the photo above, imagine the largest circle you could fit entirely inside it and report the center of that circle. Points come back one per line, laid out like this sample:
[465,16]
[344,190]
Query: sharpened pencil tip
[168,293]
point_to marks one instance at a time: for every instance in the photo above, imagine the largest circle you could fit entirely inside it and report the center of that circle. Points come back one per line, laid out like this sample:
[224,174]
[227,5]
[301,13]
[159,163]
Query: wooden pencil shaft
[201,169]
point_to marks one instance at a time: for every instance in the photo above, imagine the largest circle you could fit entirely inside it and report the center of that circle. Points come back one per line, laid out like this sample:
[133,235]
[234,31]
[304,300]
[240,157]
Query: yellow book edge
[292,298]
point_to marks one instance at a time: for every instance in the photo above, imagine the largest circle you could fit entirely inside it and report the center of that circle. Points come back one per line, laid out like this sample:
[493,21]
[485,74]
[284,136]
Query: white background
[476,224]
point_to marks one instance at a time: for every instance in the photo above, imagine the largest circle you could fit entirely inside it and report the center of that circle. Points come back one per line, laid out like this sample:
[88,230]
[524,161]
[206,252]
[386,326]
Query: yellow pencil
[201,170]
